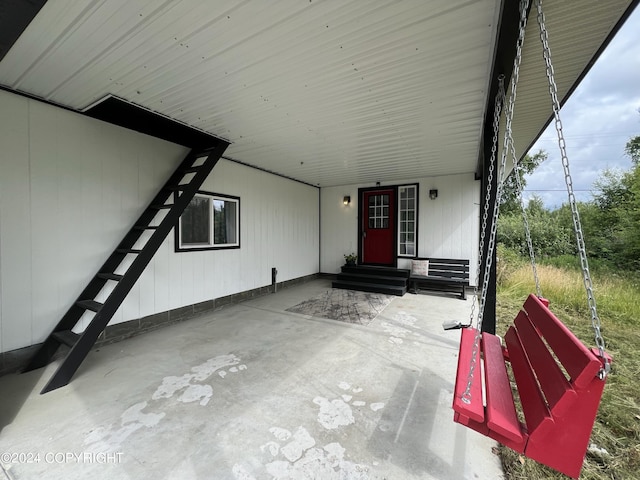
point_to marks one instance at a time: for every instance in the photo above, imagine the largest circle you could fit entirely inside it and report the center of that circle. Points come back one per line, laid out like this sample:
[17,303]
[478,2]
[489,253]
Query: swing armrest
[475,409]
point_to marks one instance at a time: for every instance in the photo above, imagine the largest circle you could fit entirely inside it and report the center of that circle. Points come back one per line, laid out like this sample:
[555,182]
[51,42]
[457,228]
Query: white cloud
[598,120]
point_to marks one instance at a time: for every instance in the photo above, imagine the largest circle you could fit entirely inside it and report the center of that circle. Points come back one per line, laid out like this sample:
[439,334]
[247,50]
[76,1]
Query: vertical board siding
[447,226]
[70,188]
[15,229]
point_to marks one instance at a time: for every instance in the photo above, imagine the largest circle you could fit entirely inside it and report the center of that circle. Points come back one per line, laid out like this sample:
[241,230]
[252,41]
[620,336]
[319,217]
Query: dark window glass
[195,227]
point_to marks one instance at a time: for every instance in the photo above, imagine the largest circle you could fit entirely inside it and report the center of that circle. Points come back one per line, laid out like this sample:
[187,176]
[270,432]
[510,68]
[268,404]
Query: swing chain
[524,5]
[525,219]
[497,109]
[553,90]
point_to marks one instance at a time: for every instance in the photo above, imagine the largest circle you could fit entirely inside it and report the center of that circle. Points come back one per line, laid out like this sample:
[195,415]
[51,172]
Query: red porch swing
[559,380]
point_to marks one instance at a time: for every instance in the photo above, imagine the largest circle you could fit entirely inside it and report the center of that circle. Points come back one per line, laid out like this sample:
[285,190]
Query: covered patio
[254,391]
[326,108]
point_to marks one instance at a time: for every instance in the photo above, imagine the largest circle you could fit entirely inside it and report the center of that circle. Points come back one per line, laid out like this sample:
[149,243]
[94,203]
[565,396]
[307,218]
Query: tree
[550,236]
[632,148]
[510,201]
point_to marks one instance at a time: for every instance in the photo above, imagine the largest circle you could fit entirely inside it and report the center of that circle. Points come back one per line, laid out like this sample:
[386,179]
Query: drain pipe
[274,284]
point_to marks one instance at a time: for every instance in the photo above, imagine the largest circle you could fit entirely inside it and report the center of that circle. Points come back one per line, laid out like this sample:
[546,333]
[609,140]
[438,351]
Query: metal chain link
[497,109]
[553,90]
[525,219]
[499,102]
[524,5]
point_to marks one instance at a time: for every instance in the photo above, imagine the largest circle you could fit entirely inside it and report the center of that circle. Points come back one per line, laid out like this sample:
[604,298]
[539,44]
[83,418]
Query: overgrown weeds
[616,434]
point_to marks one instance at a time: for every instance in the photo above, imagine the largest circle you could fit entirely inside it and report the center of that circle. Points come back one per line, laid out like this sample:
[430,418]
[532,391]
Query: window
[407,209]
[210,221]
[379,211]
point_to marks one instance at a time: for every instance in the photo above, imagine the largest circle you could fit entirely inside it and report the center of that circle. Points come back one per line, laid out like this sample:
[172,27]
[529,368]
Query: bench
[558,386]
[449,275]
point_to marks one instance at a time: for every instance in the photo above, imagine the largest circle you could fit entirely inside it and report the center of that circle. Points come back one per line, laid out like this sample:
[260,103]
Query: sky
[599,118]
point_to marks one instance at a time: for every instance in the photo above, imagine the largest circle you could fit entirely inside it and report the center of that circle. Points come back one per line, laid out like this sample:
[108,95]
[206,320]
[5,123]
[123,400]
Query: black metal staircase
[150,220]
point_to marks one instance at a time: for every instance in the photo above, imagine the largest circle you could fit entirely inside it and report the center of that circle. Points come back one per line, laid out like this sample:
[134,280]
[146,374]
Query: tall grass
[617,428]
[617,294]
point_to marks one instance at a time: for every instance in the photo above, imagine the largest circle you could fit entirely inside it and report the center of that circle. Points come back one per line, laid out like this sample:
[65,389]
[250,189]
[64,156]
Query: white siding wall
[448,226]
[70,187]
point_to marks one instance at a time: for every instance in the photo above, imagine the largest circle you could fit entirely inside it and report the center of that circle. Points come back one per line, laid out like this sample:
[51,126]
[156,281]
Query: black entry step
[373,270]
[368,278]
[371,287]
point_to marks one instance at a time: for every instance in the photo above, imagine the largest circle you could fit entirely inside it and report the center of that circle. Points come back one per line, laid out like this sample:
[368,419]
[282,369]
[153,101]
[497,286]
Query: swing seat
[558,388]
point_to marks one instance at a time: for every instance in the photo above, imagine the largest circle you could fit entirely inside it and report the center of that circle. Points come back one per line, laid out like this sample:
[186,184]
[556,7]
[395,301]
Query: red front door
[378,227]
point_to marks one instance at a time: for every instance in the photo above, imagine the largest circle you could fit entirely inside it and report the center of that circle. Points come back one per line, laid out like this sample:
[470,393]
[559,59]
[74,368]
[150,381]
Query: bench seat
[448,275]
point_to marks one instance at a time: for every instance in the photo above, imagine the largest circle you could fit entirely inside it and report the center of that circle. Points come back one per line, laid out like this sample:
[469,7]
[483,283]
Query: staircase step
[66,337]
[178,188]
[128,250]
[190,169]
[371,287]
[109,276]
[162,207]
[90,305]
[143,227]
[372,270]
[367,278]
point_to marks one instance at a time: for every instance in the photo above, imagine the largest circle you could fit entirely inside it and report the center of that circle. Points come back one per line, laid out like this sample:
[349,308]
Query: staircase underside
[387,280]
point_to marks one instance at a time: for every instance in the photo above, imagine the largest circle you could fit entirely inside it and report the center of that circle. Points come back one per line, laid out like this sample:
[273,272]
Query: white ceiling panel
[325,91]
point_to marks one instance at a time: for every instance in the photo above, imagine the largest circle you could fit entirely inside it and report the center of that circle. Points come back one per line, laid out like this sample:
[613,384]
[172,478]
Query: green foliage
[549,236]
[510,199]
[632,149]
[610,223]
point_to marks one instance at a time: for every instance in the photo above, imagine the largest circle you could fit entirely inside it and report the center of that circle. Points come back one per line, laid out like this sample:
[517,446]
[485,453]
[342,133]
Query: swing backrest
[550,364]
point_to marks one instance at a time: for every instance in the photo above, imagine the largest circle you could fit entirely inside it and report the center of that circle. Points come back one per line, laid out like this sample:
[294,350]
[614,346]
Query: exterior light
[433,194]
[346,200]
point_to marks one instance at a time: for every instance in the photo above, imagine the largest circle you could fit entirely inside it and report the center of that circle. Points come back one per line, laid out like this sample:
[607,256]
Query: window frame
[179,247]
[416,198]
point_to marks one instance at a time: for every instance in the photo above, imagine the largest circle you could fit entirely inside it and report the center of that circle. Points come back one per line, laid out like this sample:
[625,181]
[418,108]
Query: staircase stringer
[124,284]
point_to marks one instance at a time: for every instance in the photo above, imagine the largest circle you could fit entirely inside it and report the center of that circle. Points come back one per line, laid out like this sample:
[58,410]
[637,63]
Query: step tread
[371,287]
[145,227]
[66,337]
[90,305]
[178,188]
[363,277]
[378,271]
[110,276]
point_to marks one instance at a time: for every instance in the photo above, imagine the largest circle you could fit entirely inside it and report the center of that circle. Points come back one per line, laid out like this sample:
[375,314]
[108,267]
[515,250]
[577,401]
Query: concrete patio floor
[255,392]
